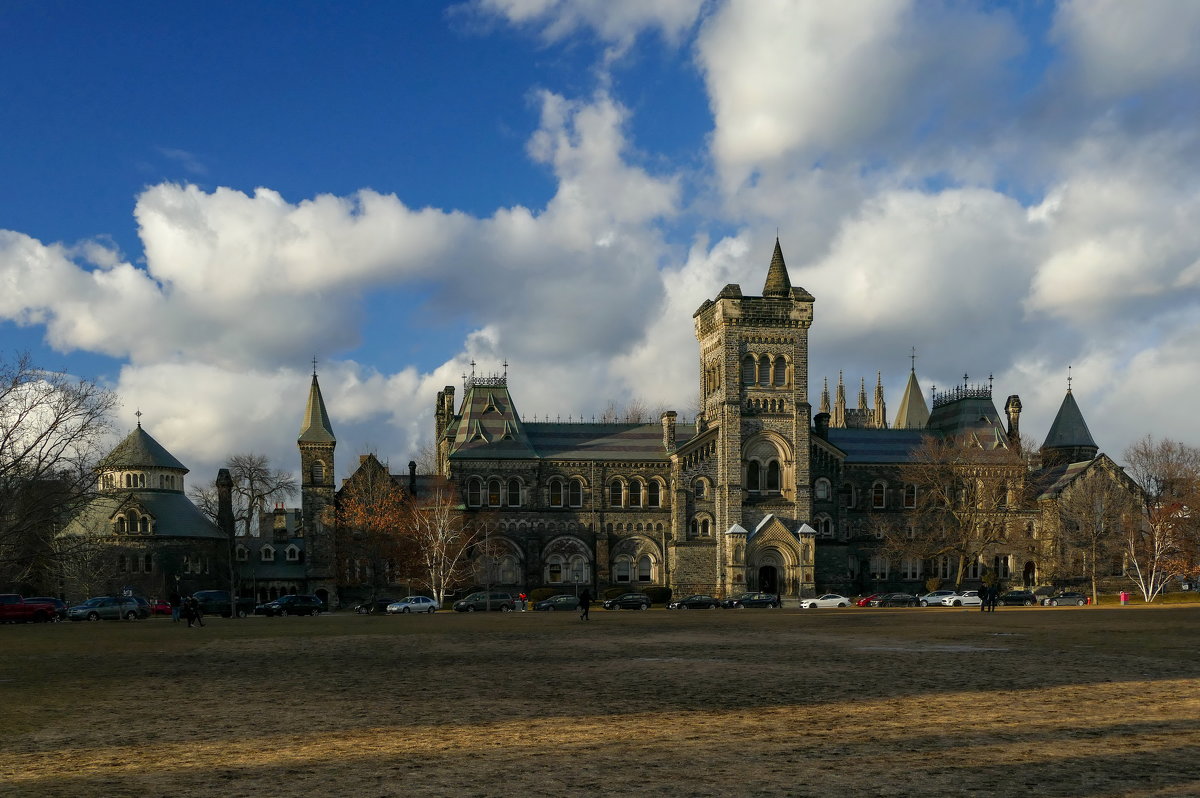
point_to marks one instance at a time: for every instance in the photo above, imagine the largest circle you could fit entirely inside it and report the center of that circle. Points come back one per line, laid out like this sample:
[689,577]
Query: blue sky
[197,200]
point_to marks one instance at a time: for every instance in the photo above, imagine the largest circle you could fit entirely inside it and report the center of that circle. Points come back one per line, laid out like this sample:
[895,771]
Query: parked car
[291,605]
[412,604]
[108,608]
[865,601]
[895,600]
[371,607]
[1017,598]
[216,602]
[60,606]
[696,602]
[1066,598]
[827,600]
[967,598]
[559,603]
[934,598]
[751,601]
[478,602]
[628,601]
[159,607]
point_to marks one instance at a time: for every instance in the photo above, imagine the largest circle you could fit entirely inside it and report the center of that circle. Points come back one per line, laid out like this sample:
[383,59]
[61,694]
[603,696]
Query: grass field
[1095,701]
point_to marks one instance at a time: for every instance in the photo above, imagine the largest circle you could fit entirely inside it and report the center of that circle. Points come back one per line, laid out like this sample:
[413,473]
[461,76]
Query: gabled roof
[139,450]
[1069,430]
[315,428]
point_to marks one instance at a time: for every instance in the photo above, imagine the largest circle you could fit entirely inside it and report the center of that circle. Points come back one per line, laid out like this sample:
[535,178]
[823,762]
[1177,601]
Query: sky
[197,201]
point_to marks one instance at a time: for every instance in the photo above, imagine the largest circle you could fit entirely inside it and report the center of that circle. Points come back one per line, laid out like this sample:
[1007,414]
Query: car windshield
[92,602]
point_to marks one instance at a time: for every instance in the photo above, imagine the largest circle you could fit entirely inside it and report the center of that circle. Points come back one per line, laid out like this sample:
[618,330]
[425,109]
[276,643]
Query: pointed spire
[778,283]
[879,411]
[316,427]
[862,394]
[839,405]
[1069,436]
[825,398]
[913,413]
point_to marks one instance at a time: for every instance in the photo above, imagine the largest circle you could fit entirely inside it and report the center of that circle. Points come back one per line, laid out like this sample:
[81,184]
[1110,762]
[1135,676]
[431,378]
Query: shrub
[658,594]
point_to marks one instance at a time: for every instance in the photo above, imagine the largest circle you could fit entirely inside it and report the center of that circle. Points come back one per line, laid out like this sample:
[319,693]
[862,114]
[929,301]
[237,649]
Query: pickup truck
[216,602]
[14,609]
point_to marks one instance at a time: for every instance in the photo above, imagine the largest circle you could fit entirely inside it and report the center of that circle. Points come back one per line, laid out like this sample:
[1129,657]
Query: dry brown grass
[1025,702]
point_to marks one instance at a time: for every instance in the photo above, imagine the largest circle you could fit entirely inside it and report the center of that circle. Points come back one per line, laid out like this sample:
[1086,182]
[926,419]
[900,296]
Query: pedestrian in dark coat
[175,600]
[585,602]
[191,610]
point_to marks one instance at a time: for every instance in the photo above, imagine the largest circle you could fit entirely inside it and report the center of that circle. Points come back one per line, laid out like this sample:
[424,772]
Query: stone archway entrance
[1029,575]
[768,579]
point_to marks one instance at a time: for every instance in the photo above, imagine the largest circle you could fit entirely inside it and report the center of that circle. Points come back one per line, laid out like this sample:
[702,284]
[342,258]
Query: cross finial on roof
[989,382]
[506,367]
[965,378]
[913,357]
[314,365]
[139,417]
[1069,379]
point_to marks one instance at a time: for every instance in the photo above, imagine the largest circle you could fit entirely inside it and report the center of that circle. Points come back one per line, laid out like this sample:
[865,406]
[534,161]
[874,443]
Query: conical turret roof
[316,427]
[140,450]
[778,283]
[913,412]
[1069,430]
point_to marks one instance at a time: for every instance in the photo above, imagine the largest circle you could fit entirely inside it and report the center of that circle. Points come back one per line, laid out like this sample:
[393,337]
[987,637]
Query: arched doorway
[768,579]
[1029,575]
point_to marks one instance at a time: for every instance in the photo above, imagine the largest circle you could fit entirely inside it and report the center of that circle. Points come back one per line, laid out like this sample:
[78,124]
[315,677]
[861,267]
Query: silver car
[934,598]
[109,608]
[412,604]
[967,598]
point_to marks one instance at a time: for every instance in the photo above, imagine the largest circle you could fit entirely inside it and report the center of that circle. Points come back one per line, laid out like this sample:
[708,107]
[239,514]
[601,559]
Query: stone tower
[757,348]
[316,444]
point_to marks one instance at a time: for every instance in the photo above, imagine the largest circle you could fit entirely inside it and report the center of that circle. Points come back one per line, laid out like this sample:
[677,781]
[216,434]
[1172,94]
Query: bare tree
[51,428]
[443,539]
[968,488]
[1094,514]
[1163,546]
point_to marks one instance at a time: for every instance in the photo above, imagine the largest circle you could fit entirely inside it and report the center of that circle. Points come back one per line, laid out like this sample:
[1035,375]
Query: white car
[967,598]
[413,604]
[828,600]
[934,598]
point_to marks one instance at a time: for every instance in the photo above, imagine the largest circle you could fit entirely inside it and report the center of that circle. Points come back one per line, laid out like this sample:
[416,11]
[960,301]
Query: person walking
[984,593]
[585,602]
[175,600]
[191,609]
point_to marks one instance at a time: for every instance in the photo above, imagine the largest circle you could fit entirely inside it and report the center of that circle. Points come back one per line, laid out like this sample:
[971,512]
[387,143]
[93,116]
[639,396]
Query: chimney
[1012,408]
[279,524]
[412,477]
[821,422]
[668,427]
[225,502]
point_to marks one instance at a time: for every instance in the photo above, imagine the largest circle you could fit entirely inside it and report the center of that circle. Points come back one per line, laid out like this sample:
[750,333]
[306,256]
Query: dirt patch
[1087,702]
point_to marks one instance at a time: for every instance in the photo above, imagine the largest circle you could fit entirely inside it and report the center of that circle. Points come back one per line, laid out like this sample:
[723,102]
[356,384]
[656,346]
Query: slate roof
[1052,481]
[973,413]
[140,450]
[174,515]
[1069,430]
[913,413]
[863,445]
[315,428]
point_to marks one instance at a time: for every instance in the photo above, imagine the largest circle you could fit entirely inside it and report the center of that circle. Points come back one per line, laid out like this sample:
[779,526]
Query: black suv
[628,601]
[478,602]
[291,605]
[1017,598]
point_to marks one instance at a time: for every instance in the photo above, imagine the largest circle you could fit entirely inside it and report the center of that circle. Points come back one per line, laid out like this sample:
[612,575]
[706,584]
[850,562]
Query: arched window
[141,480]
[622,569]
[822,489]
[773,476]
[748,370]
[575,493]
[653,494]
[879,567]
[705,529]
[494,493]
[910,496]
[752,476]
[554,569]
[267,553]
[879,495]
[122,526]
[825,526]
[614,493]
[556,493]
[514,492]
[635,493]
[242,553]
[577,570]
[148,563]
[318,472]
[474,492]
[644,569]
[129,480]
[292,553]
[144,525]
[779,373]
[700,488]
[764,370]
[694,528]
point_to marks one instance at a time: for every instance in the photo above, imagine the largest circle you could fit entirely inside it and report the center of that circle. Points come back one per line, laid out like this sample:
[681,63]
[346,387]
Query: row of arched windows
[635,492]
[267,553]
[632,492]
[848,494]
[765,371]
[131,522]
[135,563]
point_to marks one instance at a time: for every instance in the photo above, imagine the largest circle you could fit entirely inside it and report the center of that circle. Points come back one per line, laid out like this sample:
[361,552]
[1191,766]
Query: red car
[159,607]
[865,601]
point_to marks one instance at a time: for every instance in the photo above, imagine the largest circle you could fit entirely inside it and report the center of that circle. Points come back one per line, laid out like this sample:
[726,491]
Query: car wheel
[404,610]
[958,604]
[681,606]
[924,603]
[1053,603]
[1080,603]
[643,606]
[843,604]
[130,616]
[1028,603]
[505,608]
[315,612]
[93,616]
[431,610]
[471,609]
